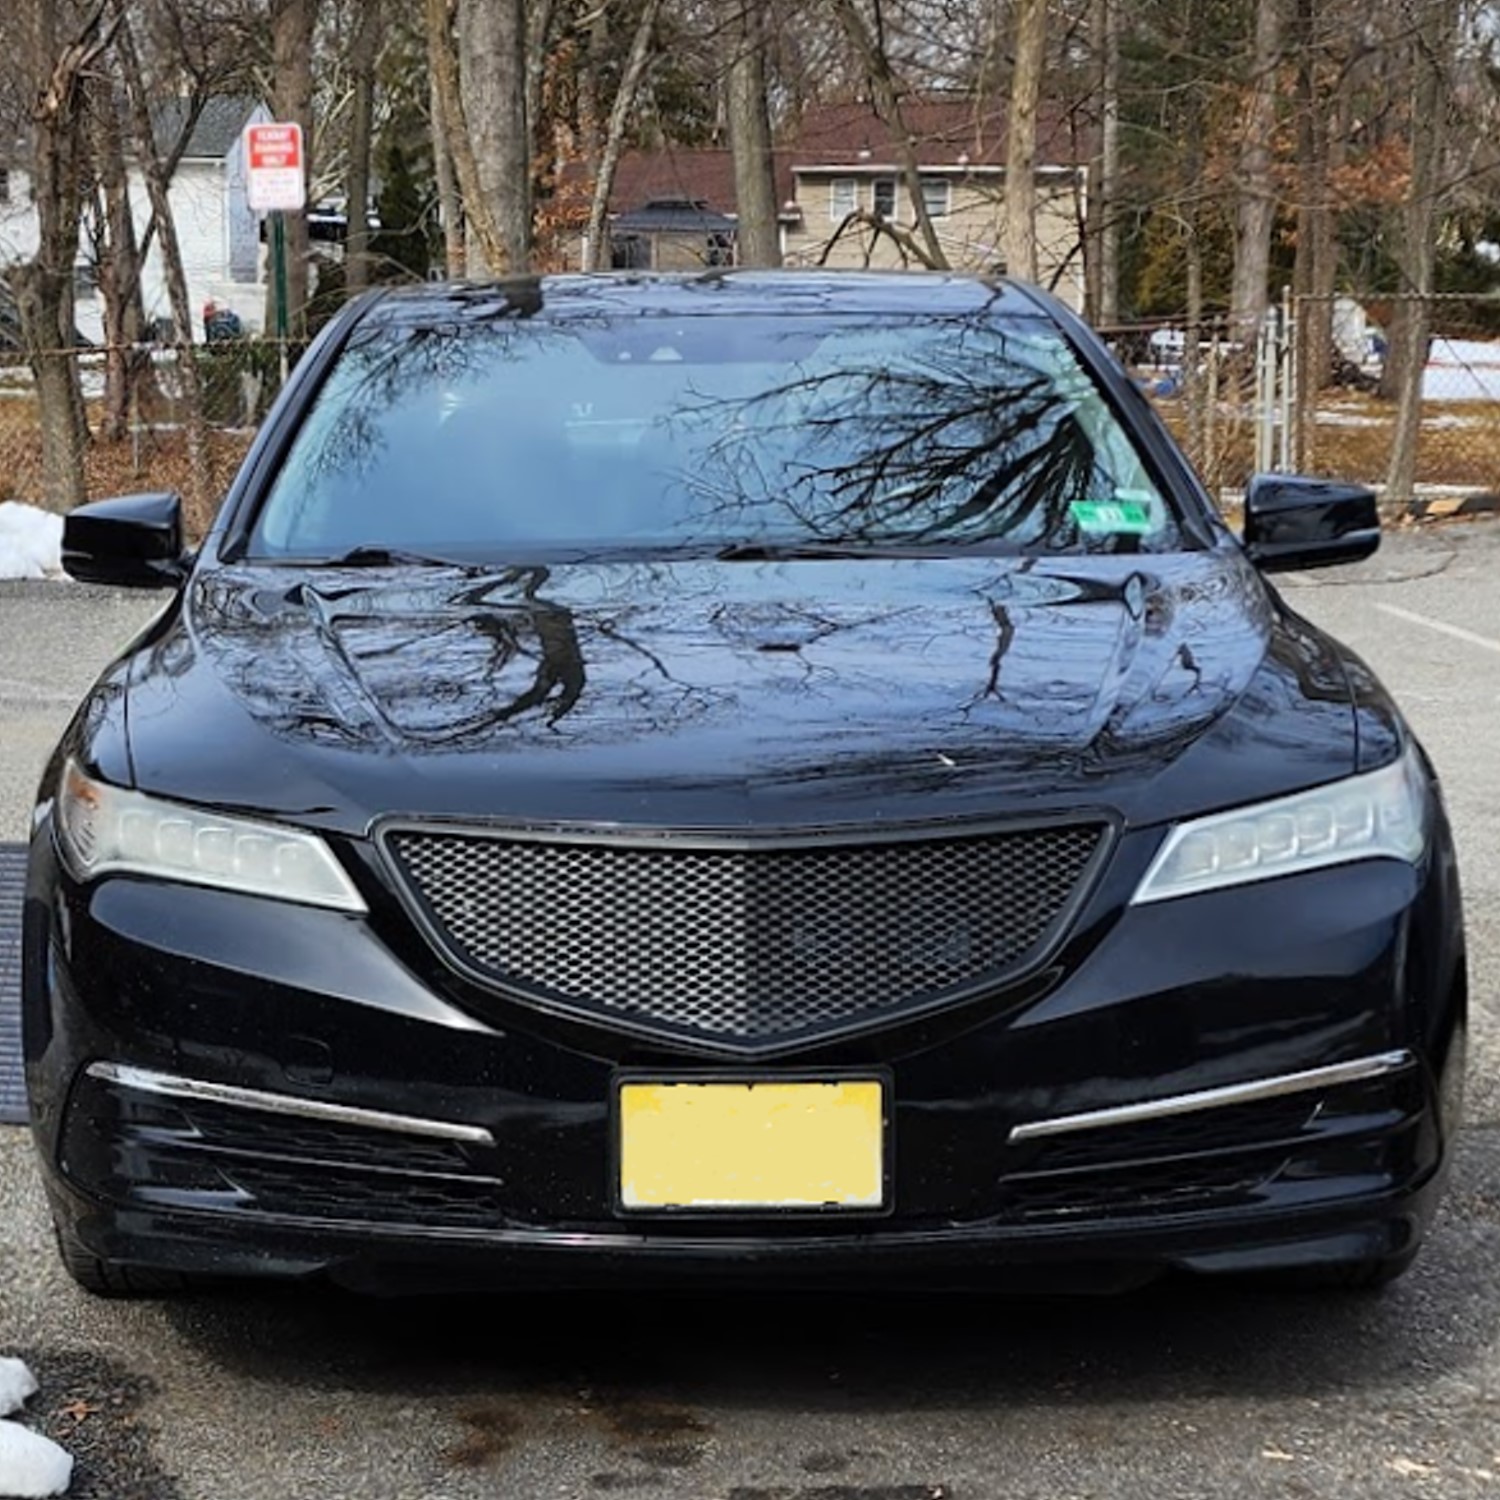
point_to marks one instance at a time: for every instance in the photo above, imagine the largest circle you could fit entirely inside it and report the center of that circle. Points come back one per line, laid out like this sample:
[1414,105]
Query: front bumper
[223,1084]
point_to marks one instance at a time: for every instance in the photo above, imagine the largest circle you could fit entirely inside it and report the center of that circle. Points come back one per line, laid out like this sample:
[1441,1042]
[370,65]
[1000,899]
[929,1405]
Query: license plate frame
[874,1077]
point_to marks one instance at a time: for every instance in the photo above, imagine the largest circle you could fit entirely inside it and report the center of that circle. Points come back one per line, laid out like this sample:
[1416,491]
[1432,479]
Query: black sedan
[762,775]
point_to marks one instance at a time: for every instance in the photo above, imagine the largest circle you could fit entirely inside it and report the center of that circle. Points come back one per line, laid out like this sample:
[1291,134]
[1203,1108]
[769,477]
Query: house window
[935,194]
[937,197]
[843,198]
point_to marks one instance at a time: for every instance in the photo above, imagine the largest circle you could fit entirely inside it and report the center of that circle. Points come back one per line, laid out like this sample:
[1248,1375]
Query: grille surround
[745,996]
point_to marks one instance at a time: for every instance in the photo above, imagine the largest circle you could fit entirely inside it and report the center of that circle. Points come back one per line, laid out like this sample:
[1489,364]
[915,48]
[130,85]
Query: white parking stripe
[1456,631]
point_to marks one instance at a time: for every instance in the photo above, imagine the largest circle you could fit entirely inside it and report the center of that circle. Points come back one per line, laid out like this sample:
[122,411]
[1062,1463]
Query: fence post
[1265,382]
[135,413]
[1285,371]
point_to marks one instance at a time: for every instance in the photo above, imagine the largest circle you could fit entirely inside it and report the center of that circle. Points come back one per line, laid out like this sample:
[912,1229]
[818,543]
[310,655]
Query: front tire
[105,1278]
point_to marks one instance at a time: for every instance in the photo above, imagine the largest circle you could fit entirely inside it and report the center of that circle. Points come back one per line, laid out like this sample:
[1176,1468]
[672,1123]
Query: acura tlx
[778,776]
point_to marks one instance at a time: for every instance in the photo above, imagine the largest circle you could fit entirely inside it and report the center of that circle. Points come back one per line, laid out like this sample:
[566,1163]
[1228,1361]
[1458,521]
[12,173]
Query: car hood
[714,694]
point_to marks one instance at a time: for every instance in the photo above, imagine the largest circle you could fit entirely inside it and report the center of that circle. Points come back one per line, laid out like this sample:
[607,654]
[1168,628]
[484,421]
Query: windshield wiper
[813,550]
[372,555]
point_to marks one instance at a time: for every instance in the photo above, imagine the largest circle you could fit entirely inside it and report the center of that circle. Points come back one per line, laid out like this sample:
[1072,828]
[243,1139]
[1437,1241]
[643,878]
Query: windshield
[660,434]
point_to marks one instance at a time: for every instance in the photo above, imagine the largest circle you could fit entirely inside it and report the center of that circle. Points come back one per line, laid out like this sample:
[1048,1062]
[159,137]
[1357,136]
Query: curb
[1446,507]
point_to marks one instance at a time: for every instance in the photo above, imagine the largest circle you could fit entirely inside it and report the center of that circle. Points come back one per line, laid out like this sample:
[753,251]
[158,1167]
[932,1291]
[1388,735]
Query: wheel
[104,1278]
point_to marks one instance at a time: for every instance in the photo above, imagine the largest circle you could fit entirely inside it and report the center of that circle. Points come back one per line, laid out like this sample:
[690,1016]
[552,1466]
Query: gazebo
[671,234]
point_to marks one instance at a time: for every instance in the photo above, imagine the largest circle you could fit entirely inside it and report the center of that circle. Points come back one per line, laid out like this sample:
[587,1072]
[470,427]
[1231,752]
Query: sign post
[277,185]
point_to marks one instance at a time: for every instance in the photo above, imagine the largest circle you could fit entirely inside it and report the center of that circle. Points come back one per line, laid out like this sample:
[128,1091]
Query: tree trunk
[590,110]
[595,247]
[1018,235]
[1105,204]
[1324,271]
[1255,209]
[492,85]
[476,213]
[870,49]
[759,236]
[450,209]
[118,260]
[43,286]
[291,101]
[363,55]
[540,17]
[155,171]
[1430,51]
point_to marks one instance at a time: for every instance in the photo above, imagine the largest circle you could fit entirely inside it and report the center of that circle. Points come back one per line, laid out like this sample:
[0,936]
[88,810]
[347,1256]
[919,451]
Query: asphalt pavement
[1173,1391]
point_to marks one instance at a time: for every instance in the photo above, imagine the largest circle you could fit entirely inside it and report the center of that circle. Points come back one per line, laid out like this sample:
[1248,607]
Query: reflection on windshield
[516,438]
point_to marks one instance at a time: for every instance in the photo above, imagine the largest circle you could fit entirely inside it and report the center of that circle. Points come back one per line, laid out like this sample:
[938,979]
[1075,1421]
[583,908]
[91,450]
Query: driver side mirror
[1292,522]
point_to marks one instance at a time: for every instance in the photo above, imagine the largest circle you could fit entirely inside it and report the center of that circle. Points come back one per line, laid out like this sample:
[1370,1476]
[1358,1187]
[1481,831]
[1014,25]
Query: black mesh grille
[746,944]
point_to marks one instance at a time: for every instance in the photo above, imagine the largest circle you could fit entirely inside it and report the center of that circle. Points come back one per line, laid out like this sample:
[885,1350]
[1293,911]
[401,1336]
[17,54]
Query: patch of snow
[17,1385]
[1443,351]
[1462,370]
[31,1466]
[1347,419]
[30,541]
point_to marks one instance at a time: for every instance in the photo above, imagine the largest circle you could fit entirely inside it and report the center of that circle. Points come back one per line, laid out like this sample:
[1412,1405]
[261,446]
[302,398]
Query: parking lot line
[1456,631]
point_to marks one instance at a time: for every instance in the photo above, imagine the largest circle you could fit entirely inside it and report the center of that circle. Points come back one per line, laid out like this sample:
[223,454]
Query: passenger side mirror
[134,542]
[1292,522]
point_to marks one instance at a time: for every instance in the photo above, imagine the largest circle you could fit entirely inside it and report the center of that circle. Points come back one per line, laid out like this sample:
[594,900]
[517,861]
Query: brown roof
[848,135]
[692,174]
[943,130]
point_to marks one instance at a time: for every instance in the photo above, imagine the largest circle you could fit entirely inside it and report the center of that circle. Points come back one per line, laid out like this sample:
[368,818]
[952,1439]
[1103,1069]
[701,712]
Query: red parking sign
[274,163]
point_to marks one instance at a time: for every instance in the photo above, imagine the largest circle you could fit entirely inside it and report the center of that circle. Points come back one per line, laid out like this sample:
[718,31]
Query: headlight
[1379,815]
[104,829]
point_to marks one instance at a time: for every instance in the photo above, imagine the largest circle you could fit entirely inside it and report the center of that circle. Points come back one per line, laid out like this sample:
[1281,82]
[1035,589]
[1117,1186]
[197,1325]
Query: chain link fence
[1308,394]
[1305,395]
[138,410]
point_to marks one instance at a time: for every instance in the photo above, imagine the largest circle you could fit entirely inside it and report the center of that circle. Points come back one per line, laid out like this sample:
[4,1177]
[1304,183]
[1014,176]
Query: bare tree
[492,83]
[1104,185]
[44,284]
[154,168]
[1018,241]
[1255,209]
[1429,48]
[364,52]
[749,121]
[450,205]
[117,257]
[869,46]
[596,249]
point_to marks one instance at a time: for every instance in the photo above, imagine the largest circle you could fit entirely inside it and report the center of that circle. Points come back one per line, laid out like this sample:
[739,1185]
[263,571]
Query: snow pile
[30,541]
[1462,370]
[31,1466]
[17,1385]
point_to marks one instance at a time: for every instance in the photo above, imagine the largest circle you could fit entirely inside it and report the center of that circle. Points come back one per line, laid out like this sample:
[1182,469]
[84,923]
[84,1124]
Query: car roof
[725,293]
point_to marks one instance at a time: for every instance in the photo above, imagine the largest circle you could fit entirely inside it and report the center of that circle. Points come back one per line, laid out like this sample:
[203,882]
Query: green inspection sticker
[1112,517]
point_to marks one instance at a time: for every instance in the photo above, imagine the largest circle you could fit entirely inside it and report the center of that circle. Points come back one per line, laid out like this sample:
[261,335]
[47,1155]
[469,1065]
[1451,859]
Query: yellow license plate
[752,1145]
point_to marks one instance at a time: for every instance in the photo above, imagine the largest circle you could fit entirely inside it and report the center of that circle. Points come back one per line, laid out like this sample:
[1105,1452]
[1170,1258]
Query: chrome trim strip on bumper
[1357,1071]
[170,1087]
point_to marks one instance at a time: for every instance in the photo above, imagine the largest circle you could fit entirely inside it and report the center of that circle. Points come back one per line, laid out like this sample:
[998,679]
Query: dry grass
[156,460]
[1349,437]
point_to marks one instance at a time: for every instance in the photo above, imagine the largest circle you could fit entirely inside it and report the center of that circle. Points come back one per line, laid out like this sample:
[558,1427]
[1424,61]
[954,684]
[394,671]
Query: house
[216,230]
[842,161]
